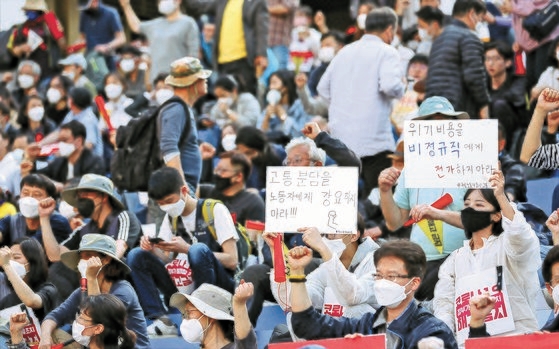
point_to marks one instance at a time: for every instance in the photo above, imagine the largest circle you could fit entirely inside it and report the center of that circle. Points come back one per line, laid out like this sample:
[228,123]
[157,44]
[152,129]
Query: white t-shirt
[224,227]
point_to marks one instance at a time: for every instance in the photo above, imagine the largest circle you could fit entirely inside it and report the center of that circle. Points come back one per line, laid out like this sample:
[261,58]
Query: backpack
[138,154]
[244,245]
[7,60]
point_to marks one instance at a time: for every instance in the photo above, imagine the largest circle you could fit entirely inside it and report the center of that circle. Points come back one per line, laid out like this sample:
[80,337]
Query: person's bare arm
[244,291]
[548,101]
[131,17]
[298,258]
[229,257]
[53,249]
[22,290]
[394,216]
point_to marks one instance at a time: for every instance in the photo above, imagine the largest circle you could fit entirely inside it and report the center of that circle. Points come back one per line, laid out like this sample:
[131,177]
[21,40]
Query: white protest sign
[450,153]
[322,197]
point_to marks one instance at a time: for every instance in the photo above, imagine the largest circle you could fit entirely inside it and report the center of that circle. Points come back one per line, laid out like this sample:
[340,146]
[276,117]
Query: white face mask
[273,97]
[166,7]
[192,331]
[389,294]
[29,207]
[66,210]
[336,246]
[228,142]
[361,19]
[555,295]
[80,338]
[36,114]
[18,268]
[66,149]
[82,267]
[113,91]
[228,101]
[69,74]
[53,95]
[326,54]
[174,210]
[424,35]
[25,81]
[127,65]
[163,95]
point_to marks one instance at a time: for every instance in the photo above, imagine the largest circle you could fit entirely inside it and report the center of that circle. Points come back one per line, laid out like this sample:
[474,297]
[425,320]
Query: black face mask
[473,220]
[86,207]
[93,12]
[222,183]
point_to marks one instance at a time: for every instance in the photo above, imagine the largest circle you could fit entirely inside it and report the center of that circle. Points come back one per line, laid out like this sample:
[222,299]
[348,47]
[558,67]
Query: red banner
[539,341]
[369,342]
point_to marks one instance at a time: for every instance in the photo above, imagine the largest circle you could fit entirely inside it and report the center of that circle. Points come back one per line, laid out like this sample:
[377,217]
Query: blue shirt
[172,124]
[14,227]
[101,28]
[90,121]
[135,321]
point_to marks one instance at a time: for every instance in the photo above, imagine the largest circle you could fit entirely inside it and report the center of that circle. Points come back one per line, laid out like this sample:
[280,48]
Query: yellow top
[7,209]
[232,45]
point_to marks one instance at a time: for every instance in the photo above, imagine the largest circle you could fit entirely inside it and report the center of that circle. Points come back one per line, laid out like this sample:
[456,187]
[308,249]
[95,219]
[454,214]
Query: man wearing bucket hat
[96,257]
[188,78]
[40,38]
[396,208]
[94,197]
[207,317]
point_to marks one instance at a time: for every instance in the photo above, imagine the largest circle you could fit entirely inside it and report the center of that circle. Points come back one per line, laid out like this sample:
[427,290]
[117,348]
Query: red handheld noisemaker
[441,203]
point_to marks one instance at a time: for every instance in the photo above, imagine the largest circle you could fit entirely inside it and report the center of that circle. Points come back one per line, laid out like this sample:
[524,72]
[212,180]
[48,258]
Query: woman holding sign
[24,281]
[501,256]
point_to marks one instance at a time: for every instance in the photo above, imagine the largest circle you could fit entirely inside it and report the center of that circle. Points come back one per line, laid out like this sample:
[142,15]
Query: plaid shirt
[279,32]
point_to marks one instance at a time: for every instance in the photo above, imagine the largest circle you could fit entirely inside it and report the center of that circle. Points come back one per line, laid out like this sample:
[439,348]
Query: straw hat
[35,5]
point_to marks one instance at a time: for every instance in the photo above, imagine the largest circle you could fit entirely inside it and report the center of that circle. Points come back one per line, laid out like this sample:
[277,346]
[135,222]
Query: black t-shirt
[246,205]
[46,291]
[14,227]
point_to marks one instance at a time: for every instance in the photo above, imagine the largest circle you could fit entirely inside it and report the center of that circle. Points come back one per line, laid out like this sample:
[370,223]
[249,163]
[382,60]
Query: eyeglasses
[187,312]
[219,171]
[391,277]
[80,318]
[297,161]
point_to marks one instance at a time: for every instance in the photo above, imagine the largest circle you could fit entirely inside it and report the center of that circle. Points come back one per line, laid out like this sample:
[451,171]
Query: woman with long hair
[284,112]
[501,256]
[25,279]
[100,324]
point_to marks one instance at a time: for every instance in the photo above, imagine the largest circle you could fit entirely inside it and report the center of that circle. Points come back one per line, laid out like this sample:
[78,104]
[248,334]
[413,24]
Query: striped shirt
[546,157]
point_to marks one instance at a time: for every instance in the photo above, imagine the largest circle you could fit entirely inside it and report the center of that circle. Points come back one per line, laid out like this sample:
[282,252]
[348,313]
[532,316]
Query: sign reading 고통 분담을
[450,153]
[321,197]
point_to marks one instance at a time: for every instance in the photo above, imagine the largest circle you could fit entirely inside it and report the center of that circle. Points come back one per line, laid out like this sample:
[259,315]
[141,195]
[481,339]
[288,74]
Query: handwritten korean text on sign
[450,153]
[323,197]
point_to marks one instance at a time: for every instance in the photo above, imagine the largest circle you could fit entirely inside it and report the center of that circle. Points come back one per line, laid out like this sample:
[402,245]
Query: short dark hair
[239,159]
[81,97]
[431,14]
[409,252]
[419,58]
[227,82]
[337,35]
[76,128]
[120,79]
[129,49]
[159,77]
[379,19]
[39,181]
[360,226]
[550,259]
[503,49]
[65,82]
[462,7]
[251,137]
[164,182]
[501,132]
